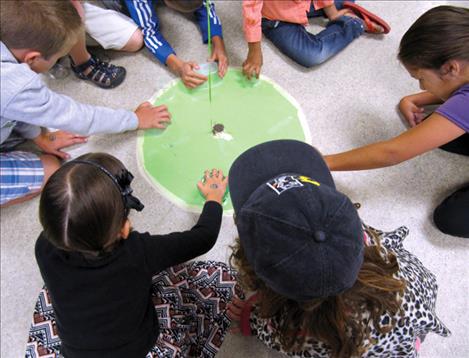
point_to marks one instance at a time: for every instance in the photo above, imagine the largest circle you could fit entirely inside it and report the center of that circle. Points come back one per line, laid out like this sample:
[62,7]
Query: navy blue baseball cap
[301,236]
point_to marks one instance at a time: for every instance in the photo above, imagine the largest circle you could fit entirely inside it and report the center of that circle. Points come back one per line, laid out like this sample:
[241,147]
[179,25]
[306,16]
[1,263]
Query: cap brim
[265,161]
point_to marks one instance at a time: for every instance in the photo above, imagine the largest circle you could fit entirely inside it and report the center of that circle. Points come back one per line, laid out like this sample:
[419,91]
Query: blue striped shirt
[144,14]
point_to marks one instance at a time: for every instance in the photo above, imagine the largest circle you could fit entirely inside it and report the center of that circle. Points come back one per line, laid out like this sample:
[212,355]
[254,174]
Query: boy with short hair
[34,35]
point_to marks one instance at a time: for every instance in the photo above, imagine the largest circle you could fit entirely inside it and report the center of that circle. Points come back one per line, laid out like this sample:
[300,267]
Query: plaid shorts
[20,174]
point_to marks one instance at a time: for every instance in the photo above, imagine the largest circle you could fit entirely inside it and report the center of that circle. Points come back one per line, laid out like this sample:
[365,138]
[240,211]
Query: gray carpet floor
[349,101]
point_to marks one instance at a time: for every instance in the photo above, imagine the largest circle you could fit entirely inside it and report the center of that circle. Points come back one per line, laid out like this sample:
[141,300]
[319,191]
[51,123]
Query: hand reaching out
[189,77]
[219,55]
[213,186]
[235,308]
[152,116]
[252,65]
[53,142]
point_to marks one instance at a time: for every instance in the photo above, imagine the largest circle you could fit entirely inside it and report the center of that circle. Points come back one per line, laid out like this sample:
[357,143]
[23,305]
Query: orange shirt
[294,11]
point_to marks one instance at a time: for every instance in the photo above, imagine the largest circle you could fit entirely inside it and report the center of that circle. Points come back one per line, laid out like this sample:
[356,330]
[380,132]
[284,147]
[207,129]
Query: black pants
[452,215]
[459,146]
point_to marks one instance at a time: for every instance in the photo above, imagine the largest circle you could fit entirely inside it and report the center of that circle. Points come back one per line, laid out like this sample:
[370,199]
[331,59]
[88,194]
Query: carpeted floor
[348,101]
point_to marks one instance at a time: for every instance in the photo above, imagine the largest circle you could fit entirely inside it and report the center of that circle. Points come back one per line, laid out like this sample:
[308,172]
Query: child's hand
[252,65]
[53,142]
[213,187]
[152,116]
[235,308]
[219,55]
[412,113]
[189,77]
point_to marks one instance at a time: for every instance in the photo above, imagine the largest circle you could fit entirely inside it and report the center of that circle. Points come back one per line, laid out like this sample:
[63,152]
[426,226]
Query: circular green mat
[252,112]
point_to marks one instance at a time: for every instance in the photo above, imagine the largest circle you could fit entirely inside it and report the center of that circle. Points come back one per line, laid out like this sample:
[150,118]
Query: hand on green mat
[252,65]
[219,55]
[213,185]
[152,116]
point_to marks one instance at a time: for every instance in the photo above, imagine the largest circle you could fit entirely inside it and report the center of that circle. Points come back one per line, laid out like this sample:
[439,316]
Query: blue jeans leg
[307,49]
[339,4]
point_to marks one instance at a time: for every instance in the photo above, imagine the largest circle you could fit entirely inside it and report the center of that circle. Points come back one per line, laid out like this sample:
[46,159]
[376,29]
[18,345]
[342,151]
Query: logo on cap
[285,182]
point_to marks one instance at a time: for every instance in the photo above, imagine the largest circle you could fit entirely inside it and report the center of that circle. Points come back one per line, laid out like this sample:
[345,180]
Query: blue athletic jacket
[144,14]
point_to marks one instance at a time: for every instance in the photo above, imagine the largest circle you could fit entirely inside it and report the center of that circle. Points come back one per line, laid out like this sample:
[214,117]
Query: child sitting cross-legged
[112,291]
[324,283]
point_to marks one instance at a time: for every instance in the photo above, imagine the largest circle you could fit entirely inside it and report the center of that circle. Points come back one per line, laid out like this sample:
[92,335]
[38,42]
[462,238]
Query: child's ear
[31,57]
[125,231]
[450,68]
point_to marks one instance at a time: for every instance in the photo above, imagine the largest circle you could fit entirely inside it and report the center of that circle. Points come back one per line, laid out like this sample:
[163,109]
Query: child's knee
[50,164]
[135,42]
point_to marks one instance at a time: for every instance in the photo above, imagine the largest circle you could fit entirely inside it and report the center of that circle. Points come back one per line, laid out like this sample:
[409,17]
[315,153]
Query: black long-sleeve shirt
[103,306]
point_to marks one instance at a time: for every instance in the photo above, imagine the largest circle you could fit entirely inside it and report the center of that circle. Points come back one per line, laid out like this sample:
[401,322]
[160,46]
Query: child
[325,284]
[34,34]
[116,292]
[283,22]
[435,51]
[144,14]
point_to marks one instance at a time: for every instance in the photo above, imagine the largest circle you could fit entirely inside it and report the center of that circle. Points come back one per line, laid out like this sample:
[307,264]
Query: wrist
[214,197]
[174,63]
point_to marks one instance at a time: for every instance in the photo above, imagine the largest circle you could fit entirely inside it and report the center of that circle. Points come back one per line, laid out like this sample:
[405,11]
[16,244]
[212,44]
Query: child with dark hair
[34,35]
[111,291]
[324,283]
[435,51]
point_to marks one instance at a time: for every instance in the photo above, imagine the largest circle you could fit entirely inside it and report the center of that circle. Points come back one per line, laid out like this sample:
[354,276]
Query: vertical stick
[207,5]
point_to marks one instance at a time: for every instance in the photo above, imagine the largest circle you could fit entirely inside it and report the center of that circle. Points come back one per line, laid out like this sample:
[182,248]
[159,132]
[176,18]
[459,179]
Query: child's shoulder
[14,76]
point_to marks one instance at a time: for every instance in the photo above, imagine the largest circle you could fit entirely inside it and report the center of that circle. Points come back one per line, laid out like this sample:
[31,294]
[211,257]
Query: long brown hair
[336,321]
[81,209]
[439,35]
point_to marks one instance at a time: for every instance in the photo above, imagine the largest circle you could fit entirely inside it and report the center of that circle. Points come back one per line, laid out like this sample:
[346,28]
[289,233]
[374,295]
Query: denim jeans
[308,49]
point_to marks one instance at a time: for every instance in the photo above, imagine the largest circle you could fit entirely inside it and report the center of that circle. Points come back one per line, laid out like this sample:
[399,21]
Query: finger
[60,154]
[247,71]
[161,108]
[165,119]
[258,71]
[161,125]
[194,76]
[235,330]
[214,172]
[189,85]
[145,104]
[238,302]
[206,174]
[234,310]
[200,185]
[194,65]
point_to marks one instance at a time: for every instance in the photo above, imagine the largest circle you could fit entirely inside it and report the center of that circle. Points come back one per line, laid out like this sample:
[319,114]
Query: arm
[412,106]
[432,133]
[168,250]
[179,247]
[143,13]
[218,46]
[38,106]
[252,18]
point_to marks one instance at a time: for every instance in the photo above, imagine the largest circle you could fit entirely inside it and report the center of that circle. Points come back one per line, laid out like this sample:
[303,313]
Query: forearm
[376,155]
[423,99]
